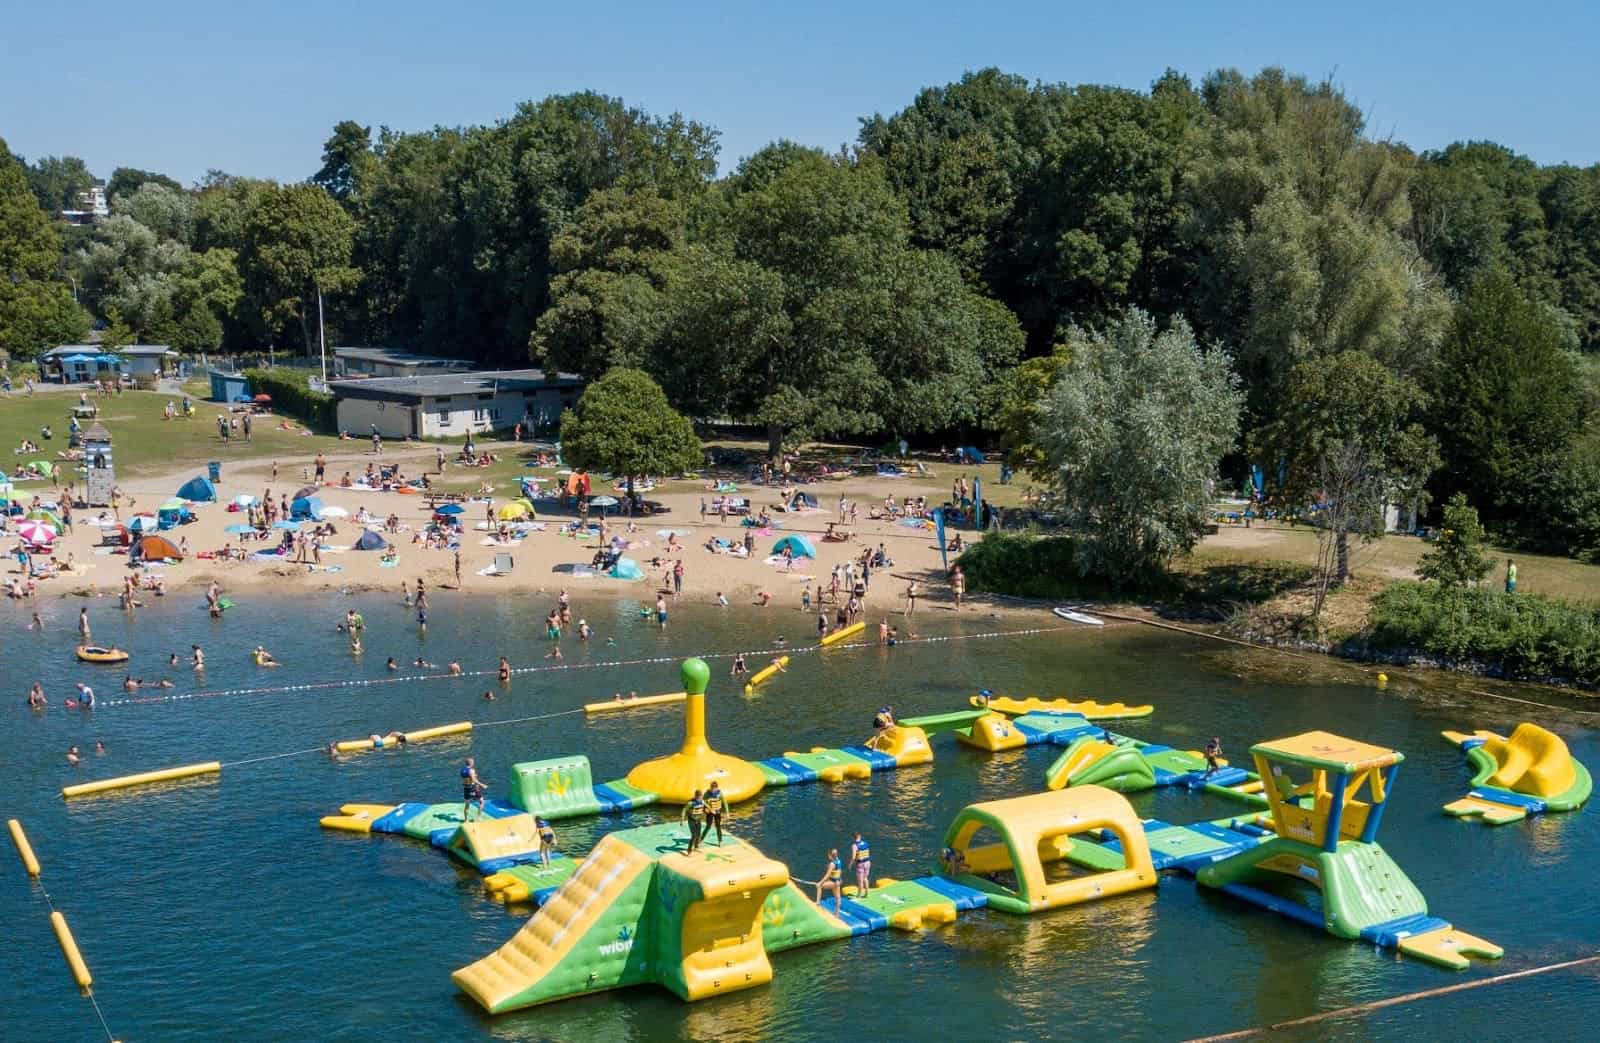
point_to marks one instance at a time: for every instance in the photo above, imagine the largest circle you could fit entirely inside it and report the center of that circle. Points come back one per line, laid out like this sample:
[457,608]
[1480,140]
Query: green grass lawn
[1395,557]
[143,444]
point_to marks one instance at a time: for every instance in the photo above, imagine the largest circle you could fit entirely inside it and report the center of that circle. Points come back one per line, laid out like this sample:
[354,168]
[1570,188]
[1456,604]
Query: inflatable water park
[646,907]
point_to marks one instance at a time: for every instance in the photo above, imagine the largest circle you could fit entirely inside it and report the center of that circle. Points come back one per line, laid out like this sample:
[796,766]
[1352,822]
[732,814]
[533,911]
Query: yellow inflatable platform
[676,777]
[993,733]
[763,675]
[1088,707]
[906,744]
[629,703]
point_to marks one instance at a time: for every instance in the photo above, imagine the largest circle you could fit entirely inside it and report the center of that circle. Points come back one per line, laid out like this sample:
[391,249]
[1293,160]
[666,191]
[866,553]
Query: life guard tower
[101,476]
[1325,800]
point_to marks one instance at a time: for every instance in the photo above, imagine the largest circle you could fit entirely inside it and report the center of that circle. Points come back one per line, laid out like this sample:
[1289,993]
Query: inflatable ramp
[641,910]
[1527,774]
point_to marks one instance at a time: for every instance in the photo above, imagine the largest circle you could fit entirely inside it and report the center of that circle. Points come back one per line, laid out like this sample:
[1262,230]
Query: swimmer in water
[488,696]
[423,663]
[738,666]
[263,657]
[455,668]
[72,756]
[505,670]
[391,664]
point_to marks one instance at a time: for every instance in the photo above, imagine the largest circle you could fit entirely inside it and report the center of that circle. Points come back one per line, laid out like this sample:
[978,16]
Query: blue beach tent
[371,541]
[198,490]
[307,507]
[626,568]
[798,545]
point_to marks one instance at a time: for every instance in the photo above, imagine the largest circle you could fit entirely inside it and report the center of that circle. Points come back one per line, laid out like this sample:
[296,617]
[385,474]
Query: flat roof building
[445,405]
[386,362]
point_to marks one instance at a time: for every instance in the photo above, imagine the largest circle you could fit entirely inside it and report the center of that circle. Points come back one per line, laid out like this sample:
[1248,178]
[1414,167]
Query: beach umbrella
[36,532]
[513,510]
[40,514]
[306,492]
[142,522]
[451,509]
[603,501]
[42,468]
[239,530]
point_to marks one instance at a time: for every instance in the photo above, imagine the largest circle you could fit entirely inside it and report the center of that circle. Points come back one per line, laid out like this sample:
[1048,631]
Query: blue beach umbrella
[451,508]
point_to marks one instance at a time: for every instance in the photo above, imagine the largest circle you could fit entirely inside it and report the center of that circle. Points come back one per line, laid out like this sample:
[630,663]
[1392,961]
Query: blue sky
[254,88]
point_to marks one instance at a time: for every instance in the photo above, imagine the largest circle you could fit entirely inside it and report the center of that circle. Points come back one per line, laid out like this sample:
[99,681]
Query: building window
[444,417]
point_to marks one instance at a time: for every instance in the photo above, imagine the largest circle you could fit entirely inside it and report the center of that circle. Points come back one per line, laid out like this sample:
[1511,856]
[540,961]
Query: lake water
[222,910]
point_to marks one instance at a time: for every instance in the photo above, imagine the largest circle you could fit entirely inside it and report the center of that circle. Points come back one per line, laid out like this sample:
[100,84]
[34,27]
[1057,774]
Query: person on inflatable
[861,862]
[547,839]
[694,814]
[830,880]
[472,789]
[714,807]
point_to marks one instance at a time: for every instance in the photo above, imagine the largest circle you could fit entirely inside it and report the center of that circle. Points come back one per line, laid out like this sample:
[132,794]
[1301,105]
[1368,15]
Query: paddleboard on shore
[1077,617]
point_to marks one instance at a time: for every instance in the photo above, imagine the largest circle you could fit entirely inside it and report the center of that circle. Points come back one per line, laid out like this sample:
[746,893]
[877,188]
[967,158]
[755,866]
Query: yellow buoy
[24,849]
[1383,679]
[84,789]
[69,949]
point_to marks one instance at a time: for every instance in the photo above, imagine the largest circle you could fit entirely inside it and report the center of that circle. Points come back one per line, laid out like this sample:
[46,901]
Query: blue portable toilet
[229,387]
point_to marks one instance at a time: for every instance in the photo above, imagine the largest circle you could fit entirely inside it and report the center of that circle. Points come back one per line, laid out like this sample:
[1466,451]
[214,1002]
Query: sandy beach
[542,560]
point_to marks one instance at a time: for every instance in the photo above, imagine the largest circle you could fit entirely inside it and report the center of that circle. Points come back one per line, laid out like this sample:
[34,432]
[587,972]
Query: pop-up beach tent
[371,541]
[306,507]
[154,548]
[802,501]
[626,568]
[198,490]
[798,545]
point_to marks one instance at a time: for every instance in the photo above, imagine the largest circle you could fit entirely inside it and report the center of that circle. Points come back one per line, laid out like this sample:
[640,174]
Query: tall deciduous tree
[36,307]
[624,425]
[346,160]
[1346,442]
[127,180]
[1135,428]
[297,244]
[57,181]
[1506,401]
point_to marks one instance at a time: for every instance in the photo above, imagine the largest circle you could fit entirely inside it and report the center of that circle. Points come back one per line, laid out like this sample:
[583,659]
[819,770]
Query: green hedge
[291,393]
[1519,635]
[1027,567]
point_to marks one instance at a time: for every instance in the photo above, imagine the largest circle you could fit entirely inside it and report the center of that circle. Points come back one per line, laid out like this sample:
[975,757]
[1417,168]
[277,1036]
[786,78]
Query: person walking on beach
[458,569]
[472,789]
[911,597]
[958,585]
[830,880]
[1511,576]
[1213,755]
[694,815]
[321,468]
[861,862]
[677,578]
[714,808]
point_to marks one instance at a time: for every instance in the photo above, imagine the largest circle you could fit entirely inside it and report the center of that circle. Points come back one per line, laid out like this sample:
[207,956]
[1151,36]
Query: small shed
[229,387]
[100,475]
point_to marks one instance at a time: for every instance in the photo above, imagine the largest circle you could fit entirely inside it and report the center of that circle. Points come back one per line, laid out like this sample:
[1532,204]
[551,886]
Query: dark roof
[145,350]
[97,349]
[438,385]
[390,357]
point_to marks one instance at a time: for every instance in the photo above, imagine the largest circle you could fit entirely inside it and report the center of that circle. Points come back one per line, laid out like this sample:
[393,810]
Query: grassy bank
[1518,636]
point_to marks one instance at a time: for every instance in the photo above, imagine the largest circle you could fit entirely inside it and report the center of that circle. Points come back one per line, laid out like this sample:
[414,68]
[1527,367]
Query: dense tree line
[945,273]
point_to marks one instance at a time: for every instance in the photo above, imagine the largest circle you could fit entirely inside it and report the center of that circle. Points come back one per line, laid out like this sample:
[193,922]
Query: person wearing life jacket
[547,839]
[714,806]
[694,813]
[861,861]
[830,879]
[472,789]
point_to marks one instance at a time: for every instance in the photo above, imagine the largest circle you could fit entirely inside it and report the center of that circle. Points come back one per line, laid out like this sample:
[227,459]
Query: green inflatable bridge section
[627,917]
[1122,768]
